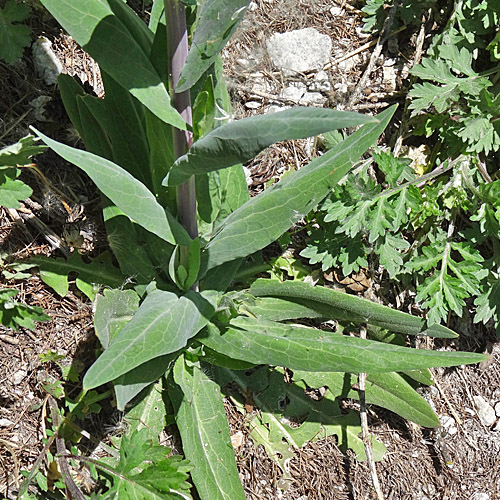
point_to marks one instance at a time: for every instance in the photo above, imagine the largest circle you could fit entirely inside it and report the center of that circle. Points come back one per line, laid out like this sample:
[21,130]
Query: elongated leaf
[91,276]
[101,33]
[216,23]
[240,141]
[266,217]
[203,426]
[127,193]
[307,349]
[347,307]
[162,325]
[283,405]
[388,390]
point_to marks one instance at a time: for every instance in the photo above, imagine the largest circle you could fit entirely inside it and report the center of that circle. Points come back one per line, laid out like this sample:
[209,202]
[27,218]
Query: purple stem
[177,38]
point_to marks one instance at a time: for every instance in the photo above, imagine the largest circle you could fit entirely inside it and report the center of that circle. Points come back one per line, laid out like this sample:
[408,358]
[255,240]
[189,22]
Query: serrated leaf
[21,152]
[12,190]
[13,37]
[131,196]
[143,471]
[390,249]
[102,34]
[239,141]
[349,307]
[288,418]
[91,276]
[14,314]
[300,348]
[202,423]
[162,325]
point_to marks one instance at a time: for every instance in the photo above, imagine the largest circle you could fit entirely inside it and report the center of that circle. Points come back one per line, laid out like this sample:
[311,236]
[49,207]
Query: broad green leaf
[202,423]
[129,385]
[347,307]
[215,25]
[91,276]
[13,37]
[388,390]
[263,219]
[162,325]
[122,118]
[308,349]
[113,310]
[14,314]
[240,141]
[127,193]
[21,152]
[101,33]
[282,406]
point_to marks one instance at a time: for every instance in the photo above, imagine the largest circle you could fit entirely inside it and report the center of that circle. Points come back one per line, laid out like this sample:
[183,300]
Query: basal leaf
[101,33]
[349,307]
[202,423]
[266,217]
[308,349]
[21,152]
[215,25]
[388,390]
[127,193]
[12,190]
[91,276]
[162,325]
[13,37]
[241,140]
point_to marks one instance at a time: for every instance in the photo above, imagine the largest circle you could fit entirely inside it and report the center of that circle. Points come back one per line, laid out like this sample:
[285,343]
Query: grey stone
[299,51]
[46,62]
[484,411]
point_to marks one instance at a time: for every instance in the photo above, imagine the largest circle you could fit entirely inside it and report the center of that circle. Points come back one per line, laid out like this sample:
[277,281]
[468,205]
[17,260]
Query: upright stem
[177,38]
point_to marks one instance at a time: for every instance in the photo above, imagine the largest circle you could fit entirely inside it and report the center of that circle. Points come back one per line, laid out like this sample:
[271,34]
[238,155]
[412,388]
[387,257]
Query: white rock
[484,411]
[449,425]
[312,99]
[341,88]
[46,62]
[252,6]
[253,104]
[336,11]
[320,83]
[349,64]
[497,426]
[480,496]
[5,422]
[389,78]
[275,109]
[300,50]
[497,409]
[248,175]
[19,376]
[294,92]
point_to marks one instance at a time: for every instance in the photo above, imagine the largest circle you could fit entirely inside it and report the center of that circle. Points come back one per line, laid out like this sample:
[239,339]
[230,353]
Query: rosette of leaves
[181,224]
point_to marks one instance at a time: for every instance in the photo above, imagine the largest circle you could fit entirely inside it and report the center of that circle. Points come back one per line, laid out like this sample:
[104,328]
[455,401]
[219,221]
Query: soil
[458,461]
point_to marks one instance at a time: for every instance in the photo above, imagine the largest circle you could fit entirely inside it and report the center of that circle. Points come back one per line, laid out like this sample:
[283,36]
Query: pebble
[253,104]
[484,411]
[5,422]
[497,409]
[480,496]
[19,376]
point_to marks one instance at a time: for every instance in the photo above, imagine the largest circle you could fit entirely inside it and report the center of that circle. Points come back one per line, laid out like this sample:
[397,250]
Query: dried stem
[364,428]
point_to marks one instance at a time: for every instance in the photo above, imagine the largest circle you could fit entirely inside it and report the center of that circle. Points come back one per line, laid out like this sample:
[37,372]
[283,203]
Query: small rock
[336,11]
[5,422]
[320,83]
[294,92]
[449,425]
[349,64]
[389,78]
[484,411]
[299,51]
[252,6]
[497,426]
[248,175]
[38,104]
[312,99]
[341,88]
[497,409]
[46,62]
[480,496]
[19,376]
[275,109]
[253,104]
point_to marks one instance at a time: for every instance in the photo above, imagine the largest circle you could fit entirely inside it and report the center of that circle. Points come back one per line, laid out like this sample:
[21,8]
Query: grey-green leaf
[127,193]
[203,426]
[162,325]
[333,304]
[388,390]
[239,141]
[215,25]
[308,349]
[101,33]
[263,219]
